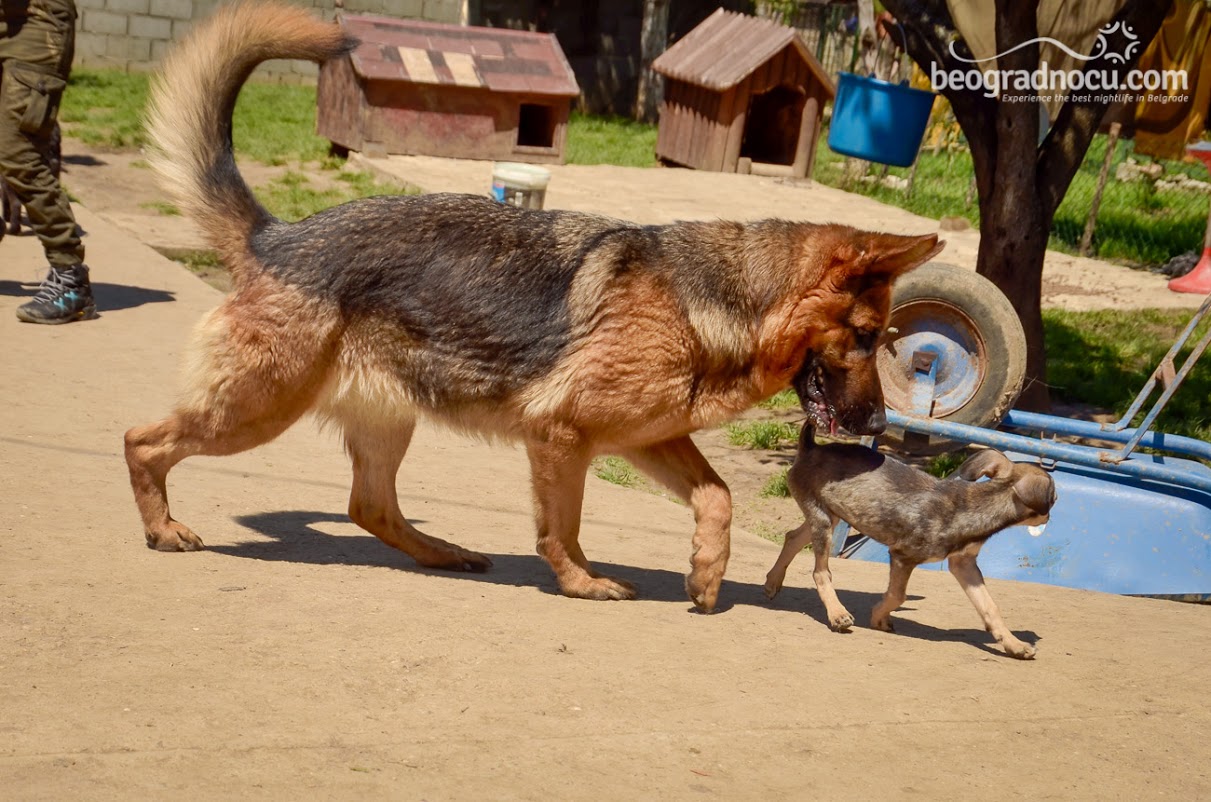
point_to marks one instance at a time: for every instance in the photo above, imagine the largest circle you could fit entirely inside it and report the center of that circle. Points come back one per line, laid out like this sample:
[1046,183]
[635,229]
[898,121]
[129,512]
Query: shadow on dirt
[109,297]
[295,538]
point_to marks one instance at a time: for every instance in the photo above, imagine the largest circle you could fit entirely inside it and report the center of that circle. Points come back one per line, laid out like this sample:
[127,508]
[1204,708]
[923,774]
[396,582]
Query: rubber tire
[996,323]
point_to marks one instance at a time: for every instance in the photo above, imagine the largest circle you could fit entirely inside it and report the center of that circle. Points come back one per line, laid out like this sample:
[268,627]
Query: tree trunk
[1014,224]
[652,40]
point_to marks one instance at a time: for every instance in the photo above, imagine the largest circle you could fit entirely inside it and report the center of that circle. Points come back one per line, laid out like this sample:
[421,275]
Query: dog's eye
[866,341]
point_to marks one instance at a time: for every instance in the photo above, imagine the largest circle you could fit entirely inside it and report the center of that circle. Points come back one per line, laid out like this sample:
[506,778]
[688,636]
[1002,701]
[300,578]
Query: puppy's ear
[890,255]
[1035,489]
[989,462]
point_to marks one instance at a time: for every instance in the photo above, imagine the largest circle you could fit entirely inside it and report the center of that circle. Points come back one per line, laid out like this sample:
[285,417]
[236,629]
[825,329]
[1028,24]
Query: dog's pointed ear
[1036,490]
[989,462]
[891,255]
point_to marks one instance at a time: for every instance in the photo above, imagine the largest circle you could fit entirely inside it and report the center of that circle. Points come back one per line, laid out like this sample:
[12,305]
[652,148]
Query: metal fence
[830,30]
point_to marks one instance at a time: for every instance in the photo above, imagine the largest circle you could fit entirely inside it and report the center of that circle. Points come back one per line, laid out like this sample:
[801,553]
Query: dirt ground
[298,657]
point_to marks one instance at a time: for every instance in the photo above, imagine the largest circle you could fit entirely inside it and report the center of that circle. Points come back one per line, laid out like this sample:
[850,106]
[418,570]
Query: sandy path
[299,658]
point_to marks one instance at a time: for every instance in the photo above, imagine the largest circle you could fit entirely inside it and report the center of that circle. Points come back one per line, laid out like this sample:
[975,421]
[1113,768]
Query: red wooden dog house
[427,88]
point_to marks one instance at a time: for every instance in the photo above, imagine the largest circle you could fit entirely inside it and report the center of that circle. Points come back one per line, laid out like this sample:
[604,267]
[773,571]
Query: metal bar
[1077,455]
[1146,424]
[1051,424]
[1143,395]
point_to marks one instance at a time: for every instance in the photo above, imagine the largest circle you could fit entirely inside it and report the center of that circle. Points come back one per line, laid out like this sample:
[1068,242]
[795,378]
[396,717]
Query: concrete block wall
[134,35]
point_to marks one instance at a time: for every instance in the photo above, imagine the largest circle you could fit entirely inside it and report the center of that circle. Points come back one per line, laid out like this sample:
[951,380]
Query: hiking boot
[64,296]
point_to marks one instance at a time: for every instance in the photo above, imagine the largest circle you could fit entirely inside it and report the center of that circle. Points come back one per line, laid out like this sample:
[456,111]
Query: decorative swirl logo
[1101,46]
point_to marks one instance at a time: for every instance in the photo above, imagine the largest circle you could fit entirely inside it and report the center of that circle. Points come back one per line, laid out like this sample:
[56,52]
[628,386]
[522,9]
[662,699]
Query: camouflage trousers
[37,42]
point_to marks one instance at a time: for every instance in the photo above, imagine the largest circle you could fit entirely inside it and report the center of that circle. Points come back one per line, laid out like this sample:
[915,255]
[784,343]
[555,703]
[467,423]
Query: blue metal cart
[1127,521]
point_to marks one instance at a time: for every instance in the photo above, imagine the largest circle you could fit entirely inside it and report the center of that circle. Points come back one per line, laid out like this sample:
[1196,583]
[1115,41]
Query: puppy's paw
[841,622]
[772,588]
[1020,650]
[176,536]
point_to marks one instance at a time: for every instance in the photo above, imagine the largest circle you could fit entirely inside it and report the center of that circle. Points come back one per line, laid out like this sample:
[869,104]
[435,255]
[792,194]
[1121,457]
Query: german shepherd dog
[577,335]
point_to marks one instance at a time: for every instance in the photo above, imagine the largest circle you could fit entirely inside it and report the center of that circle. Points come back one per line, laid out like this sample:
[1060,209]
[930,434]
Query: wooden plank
[735,131]
[418,64]
[805,148]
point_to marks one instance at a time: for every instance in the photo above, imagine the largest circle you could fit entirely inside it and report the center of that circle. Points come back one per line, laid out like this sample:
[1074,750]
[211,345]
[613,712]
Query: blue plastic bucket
[878,121]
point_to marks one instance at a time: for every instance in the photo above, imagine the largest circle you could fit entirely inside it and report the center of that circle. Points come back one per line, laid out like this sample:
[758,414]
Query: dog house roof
[727,47]
[496,59]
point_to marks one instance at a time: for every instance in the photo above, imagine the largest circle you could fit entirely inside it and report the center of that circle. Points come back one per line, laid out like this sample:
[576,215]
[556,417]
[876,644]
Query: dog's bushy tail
[189,115]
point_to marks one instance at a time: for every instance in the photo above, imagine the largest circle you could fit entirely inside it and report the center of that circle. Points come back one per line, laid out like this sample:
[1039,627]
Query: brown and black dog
[575,334]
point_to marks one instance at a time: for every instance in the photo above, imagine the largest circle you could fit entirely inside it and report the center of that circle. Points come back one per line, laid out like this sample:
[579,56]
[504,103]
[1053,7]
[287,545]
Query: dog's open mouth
[809,385]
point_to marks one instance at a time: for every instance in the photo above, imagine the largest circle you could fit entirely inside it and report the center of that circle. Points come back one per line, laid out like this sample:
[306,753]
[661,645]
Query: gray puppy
[918,517]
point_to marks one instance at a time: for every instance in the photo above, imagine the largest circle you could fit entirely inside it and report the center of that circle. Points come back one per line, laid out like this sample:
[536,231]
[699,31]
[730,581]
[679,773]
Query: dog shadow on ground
[109,297]
[293,537]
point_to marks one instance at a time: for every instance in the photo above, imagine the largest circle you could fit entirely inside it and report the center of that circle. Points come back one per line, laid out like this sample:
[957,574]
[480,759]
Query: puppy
[10,204]
[919,518]
[574,334]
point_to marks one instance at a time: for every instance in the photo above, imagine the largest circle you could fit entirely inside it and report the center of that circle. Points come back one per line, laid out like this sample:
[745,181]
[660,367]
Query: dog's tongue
[832,426]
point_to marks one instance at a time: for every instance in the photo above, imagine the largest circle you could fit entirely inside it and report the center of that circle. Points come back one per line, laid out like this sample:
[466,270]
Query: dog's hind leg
[680,466]
[963,565]
[558,463]
[254,375]
[897,592]
[374,503]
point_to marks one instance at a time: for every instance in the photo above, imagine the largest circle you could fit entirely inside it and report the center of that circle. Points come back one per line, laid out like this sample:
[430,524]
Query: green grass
[274,123]
[944,465]
[293,197]
[610,140]
[1104,358]
[784,399]
[163,207]
[776,486]
[105,108]
[618,471]
[1136,223]
[761,434]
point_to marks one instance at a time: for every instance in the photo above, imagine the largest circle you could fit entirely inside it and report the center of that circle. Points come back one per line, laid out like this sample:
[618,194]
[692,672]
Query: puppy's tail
[189,116]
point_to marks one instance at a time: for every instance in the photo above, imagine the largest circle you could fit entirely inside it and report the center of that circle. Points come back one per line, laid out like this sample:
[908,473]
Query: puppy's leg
[680,466]
[374,503]
[839,619]
[897,591]
[254,377]
[971,579]
[796,540]
[558,463]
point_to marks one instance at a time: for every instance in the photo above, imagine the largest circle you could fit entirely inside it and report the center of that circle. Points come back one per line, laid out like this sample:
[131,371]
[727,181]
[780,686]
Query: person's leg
[35,59]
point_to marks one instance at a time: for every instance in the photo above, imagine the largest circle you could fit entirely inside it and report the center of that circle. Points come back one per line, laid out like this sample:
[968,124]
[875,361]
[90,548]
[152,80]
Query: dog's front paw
[883,624]
[772,588]
[451,557]
[702,586]
[599,588]
[1018,649]
[841,622]
[176,536]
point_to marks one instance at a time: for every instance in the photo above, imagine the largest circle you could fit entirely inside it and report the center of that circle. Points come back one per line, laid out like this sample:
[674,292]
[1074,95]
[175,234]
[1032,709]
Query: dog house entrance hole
[771,132]
[536,126]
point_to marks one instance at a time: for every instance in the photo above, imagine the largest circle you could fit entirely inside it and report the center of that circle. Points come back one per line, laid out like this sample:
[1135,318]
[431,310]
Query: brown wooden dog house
[741,94]
[427,88]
